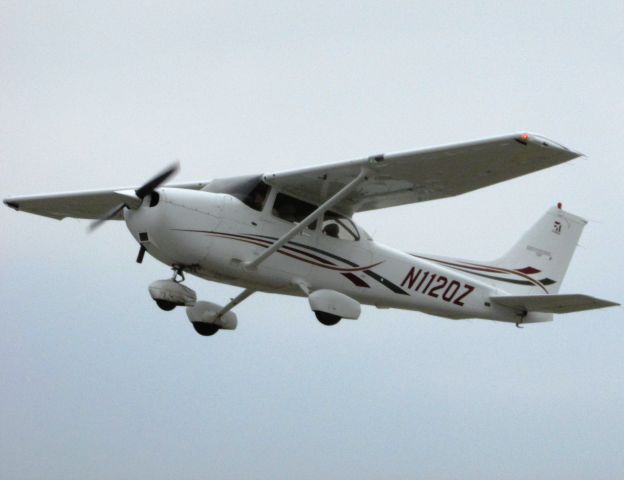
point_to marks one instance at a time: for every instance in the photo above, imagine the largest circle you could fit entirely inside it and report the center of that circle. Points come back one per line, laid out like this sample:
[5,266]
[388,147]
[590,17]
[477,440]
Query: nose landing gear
[165,305]
[170,293]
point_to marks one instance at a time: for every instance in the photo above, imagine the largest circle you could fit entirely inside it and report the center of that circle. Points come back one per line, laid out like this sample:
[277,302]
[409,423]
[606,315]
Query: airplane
[293,233]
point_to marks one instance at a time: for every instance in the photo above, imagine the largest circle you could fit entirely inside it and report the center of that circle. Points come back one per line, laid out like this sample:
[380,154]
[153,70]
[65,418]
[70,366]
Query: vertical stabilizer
[542,254]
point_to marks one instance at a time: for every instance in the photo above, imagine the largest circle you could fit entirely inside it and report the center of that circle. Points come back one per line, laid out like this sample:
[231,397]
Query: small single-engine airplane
[292,233]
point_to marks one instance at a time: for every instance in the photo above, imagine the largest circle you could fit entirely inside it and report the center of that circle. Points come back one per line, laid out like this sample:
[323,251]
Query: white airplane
[292,233]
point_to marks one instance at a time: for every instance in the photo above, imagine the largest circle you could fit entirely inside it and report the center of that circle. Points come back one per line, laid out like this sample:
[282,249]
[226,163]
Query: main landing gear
[205,329]
[207,318]
[327,318]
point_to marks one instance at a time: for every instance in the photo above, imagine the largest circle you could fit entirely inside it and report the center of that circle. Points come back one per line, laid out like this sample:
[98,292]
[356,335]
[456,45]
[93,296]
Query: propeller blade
[147,188]
[108,216]
[141,254]
[141,192]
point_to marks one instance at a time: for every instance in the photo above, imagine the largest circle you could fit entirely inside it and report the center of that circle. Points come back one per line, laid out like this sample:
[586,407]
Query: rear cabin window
[292,209]
[339,227]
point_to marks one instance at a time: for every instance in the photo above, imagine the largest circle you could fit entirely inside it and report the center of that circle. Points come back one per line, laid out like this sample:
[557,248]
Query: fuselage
[214,235]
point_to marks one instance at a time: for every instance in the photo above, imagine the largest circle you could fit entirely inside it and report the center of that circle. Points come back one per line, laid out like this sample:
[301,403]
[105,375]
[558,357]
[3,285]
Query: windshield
[252,191]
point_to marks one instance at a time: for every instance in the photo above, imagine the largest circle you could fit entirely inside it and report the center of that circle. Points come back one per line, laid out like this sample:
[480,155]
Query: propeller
[141,192]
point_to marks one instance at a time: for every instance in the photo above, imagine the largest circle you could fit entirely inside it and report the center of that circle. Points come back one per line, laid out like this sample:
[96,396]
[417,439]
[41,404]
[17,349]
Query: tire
[165,305]
[205,329]
[327,318]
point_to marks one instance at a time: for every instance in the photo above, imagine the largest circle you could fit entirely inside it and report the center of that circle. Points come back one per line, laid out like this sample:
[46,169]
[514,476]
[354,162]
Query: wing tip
[542,141]
[10,203]
[609,303]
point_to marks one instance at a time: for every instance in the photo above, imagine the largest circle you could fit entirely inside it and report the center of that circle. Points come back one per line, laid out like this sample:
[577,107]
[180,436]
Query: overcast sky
[97,382]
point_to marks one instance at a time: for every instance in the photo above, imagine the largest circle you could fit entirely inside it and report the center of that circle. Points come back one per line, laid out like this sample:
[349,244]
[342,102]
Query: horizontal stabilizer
[552,303]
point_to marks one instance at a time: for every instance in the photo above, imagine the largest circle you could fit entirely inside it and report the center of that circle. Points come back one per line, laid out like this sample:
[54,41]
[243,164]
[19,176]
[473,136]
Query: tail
[530,274]
[538,262]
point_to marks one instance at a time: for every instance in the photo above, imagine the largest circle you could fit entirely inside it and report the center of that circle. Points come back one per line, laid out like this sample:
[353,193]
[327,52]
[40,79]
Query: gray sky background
[96,382]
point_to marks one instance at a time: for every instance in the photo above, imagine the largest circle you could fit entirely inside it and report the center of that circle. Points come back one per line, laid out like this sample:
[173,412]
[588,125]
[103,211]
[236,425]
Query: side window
[292,210]
[257,196]
[339,227]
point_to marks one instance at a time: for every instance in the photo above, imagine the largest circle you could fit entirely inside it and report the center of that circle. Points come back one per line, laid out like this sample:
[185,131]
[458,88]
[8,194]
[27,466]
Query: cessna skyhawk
[293,233]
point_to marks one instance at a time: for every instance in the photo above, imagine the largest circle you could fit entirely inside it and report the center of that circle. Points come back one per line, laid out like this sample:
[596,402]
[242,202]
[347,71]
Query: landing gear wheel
[165,305]
[327,318]
[205,329]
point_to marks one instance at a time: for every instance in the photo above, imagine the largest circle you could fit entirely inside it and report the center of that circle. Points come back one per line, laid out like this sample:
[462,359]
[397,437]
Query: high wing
[91,204]
[427,174]
[393,179]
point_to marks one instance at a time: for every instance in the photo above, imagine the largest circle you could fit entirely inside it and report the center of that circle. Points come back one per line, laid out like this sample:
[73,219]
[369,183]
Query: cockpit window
[257,196]
[339,227]
[252,191]
[292,210]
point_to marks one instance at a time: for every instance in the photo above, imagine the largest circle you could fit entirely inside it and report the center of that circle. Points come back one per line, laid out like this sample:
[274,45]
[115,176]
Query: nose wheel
[165,305]
[170,293]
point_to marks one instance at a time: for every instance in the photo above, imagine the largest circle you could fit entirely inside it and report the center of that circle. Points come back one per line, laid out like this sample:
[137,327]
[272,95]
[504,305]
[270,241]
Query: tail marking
[522,274]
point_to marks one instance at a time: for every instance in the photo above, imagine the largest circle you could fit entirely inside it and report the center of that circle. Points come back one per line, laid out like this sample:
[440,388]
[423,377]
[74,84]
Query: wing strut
[330,202]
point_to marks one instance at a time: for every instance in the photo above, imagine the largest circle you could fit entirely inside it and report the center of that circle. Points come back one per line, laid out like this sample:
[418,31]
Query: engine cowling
[334,303]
